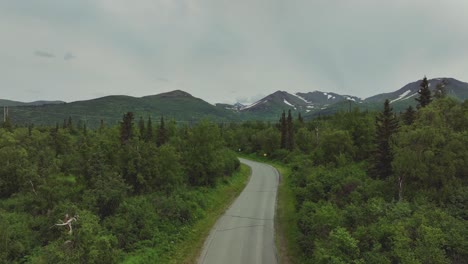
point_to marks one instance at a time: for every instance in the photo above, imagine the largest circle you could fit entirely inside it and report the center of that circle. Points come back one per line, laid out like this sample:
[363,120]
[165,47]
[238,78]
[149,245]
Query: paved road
[245,233]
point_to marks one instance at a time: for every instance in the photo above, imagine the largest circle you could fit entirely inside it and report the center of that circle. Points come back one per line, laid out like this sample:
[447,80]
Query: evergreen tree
[126,128]
[7,124]
[409,116]
[141,126]
[441,90]
[386,124]
[424,94]
[149,131]
[162,133]
[70,124]
[300,119]
[101,126]
[85,130]
[284,130]
[290,132]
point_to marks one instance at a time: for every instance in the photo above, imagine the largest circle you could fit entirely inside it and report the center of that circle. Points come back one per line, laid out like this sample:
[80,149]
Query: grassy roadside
[286,230]
[187,249]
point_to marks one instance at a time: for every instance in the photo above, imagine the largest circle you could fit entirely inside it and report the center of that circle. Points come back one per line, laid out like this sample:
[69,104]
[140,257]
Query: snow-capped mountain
[329,102]
[302,102]
[326,98]
[453,87]
[180,105]
[235,107]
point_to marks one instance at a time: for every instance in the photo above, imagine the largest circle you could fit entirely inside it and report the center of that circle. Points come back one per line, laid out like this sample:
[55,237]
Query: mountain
[177,105]
[399,99]
[307,103]
[186,108]
[4,102]
[454,88]
[275,101]
[235,107]
[323,99]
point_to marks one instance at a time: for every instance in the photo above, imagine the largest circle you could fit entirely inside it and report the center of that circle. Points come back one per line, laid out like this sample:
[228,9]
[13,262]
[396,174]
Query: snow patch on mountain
[300,97]
[401,96]
[254,104]
[288,103]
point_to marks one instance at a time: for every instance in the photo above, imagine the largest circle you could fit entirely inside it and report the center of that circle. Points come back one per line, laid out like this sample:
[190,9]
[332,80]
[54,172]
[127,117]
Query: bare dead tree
[67,221]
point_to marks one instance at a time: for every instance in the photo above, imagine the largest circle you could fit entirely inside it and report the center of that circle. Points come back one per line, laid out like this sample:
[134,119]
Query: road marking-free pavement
[245,233]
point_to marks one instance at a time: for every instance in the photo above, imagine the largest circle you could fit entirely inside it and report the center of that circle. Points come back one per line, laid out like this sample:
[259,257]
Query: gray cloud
[68,56]
[44,54]
[162,79]
[221,50]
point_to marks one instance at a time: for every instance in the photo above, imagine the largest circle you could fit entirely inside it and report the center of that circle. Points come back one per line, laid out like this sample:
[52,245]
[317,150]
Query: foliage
[387,125]
[424,92]
[343,214]
[127,194]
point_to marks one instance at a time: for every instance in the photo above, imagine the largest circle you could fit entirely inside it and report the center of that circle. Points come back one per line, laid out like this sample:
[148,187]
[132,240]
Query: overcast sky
[226,50]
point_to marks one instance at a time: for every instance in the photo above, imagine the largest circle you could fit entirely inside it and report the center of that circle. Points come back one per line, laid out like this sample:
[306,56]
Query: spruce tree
[85,130]
[141,126]
[30,128]
[162,133]
[441,90]
[300,119]
[149,131]
[386,124]
[290,132]
[126,128]
[101,126]
[424,94]
[409,116]
[284,130]
[70,124]
[7,124]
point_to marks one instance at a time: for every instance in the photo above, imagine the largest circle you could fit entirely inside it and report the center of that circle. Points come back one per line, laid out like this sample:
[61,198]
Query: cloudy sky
[225,50]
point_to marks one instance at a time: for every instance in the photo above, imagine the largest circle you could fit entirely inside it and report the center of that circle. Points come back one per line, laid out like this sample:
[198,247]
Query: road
[245,233]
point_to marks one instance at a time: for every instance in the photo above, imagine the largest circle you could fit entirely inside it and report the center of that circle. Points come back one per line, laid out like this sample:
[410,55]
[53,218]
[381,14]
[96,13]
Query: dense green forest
[372,187]
[130,193]
[368,187]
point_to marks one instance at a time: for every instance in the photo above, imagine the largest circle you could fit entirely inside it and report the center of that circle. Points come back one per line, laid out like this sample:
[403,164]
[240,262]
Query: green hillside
[176,105]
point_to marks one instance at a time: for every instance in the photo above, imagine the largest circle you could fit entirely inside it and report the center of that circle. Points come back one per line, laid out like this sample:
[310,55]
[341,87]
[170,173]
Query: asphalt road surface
[245,233]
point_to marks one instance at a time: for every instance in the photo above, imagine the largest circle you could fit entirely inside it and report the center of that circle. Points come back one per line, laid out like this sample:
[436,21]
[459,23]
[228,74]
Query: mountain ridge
[184,107]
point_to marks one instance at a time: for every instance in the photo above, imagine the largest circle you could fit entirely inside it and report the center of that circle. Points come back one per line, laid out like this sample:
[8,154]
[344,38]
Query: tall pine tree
[424,92]
[386,124]
[284,130]
[149,131]
[441,90]
[162,133]
[290,132]
[126,128]
[300,119]
[141,126]
[409,116]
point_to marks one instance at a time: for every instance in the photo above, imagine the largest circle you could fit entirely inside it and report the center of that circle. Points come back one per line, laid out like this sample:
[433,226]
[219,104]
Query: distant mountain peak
[175,93]
[455,88]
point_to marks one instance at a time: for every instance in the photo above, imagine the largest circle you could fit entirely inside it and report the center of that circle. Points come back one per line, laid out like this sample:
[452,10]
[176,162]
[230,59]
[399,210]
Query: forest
[372,187]
[367,187]
[127,193]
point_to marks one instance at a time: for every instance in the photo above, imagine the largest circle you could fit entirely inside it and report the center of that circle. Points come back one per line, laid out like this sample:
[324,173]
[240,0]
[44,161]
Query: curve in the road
[245,233]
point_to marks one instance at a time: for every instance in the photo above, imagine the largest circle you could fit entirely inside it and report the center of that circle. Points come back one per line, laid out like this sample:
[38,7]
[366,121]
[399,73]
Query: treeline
[374,187]
[69,194]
